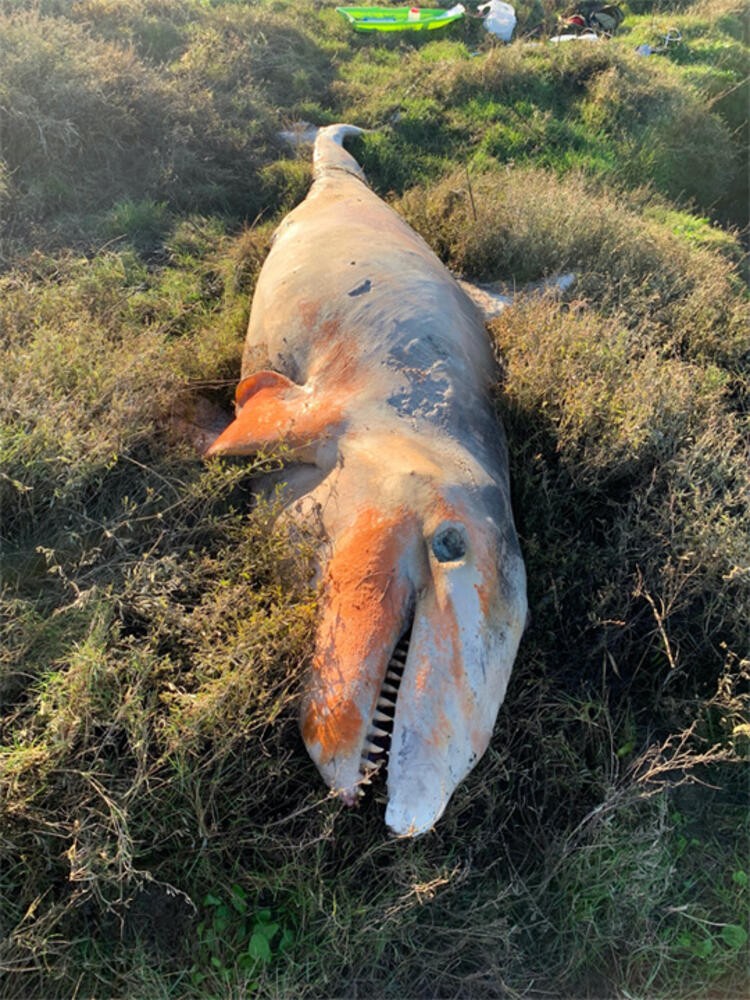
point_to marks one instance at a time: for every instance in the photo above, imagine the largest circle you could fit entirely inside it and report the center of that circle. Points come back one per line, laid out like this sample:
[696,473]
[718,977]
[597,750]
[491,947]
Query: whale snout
[417,640]
[416,805]
[464,641]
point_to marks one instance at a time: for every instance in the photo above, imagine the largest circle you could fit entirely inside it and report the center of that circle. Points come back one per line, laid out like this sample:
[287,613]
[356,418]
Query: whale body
[367,359]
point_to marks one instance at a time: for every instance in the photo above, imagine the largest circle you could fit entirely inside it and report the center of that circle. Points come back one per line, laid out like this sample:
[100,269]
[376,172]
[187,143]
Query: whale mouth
[377,746]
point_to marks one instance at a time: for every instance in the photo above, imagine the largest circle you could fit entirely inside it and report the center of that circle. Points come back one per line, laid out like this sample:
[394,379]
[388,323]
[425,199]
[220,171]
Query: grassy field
[163,833]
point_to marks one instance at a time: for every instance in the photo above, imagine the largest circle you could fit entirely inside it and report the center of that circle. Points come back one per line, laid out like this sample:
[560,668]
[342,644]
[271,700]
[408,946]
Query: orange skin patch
[451,639]
[485,597]
[364,601]
[441,731]
[337,730]
[309,312]
[422,678]
[487,590]
[465,695]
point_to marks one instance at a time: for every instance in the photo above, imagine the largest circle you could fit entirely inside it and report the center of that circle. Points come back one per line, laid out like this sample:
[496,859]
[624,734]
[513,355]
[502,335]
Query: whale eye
[449,544]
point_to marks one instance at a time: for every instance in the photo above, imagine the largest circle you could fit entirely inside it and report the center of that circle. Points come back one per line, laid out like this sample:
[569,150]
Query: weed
[234,941]
[143,222]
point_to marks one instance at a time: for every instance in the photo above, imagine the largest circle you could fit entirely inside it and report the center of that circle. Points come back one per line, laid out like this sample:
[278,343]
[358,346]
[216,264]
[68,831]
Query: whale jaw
[460,659]
[419,630]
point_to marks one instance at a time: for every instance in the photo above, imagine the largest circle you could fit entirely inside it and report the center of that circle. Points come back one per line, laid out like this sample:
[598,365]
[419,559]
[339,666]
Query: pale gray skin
[368,359]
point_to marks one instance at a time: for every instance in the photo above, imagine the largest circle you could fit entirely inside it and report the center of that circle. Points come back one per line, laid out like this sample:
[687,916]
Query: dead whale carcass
[365,356]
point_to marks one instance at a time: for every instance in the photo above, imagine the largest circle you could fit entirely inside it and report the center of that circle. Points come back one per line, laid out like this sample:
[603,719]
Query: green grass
[163,833]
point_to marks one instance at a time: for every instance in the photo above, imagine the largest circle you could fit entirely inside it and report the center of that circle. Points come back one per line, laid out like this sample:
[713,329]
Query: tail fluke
[329,154]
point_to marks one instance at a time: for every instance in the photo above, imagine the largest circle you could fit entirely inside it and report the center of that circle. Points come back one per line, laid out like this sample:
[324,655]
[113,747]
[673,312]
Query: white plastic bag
[499,19]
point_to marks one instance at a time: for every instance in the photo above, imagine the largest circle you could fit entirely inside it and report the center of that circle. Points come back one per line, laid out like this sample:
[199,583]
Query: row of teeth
[377,745]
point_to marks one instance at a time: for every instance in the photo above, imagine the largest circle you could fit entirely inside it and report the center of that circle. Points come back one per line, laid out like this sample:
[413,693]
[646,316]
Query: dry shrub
[155,616]
[631,482]
[256,47]
[88,119]
[620,409]
[121,746]
[529,223]
[157,29]
[85,123]
[99,109]
[651,447]
[93,359]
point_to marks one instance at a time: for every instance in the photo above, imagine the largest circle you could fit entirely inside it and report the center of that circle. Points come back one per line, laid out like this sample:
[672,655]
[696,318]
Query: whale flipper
[273,410]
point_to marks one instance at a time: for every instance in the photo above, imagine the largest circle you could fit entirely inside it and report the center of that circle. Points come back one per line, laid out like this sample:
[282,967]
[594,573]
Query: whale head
[423,604]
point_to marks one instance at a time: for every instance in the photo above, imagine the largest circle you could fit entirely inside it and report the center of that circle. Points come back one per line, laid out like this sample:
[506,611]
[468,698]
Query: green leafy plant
[711,939]
[236,941]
